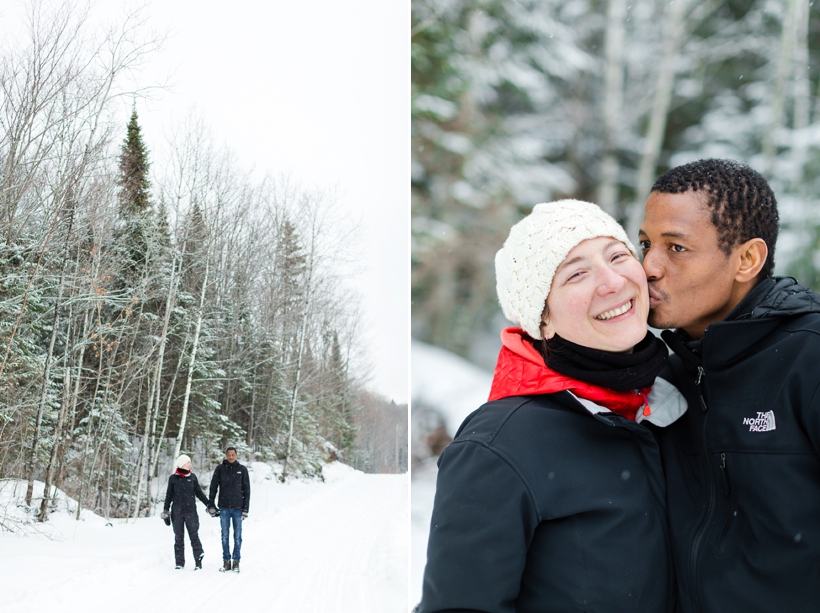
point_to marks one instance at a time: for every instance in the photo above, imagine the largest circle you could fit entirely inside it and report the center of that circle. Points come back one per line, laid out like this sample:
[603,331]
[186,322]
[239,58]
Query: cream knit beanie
[536,246]
[182,461]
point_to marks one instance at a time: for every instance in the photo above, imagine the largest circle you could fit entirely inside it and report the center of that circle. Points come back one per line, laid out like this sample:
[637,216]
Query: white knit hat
[182,461]
[536,246]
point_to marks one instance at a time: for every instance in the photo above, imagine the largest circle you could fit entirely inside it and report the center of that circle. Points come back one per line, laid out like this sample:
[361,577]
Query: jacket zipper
[723,472]
[732,511]
[693,560]
[701,372]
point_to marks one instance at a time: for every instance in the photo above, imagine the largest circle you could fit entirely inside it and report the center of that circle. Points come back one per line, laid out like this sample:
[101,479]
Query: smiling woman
[599,297]
[551,496]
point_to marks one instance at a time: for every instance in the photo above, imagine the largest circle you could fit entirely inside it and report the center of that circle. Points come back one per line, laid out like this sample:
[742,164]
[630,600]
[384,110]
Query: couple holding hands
[232,482]
[605,474]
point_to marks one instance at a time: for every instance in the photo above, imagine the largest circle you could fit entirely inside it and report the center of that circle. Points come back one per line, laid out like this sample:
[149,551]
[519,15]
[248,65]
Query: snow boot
[226,566]
[179,567]
[199,562]
[236,566]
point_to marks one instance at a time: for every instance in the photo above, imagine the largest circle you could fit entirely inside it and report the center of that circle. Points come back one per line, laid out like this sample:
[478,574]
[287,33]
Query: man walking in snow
[180,498]
[234,486]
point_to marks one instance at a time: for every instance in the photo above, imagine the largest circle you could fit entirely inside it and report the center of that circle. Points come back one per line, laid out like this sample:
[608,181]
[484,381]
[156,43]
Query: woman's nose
[610,282]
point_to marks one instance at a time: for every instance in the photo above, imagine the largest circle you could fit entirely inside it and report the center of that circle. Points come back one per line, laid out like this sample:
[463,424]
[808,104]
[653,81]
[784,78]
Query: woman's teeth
[615,312]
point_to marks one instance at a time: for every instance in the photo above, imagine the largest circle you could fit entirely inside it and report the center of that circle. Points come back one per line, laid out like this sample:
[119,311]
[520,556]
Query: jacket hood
[786,298]
[520,369]
[731,339]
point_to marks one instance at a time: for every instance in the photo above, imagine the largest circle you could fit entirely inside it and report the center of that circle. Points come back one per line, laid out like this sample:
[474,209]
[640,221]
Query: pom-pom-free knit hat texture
[182,461]
[536,246]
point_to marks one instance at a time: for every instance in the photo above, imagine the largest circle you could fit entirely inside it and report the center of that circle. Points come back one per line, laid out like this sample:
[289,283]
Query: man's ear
[753,254]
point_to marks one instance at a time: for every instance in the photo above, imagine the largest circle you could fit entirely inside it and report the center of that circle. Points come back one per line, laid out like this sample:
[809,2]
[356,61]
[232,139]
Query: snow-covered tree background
[167,300]
[516,103]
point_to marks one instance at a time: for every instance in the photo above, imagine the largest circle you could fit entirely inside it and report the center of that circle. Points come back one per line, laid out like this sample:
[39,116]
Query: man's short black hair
[742,203]
[230,449]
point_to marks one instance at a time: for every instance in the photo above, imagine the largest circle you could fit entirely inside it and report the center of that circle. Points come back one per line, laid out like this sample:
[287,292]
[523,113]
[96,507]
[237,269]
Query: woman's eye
[644,245]
[677,248]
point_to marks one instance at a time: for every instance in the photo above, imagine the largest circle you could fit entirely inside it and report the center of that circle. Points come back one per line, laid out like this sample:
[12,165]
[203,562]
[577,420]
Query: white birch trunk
[295,392]
[607,196]
[801,82]
[47,369]
[656,129]
[153,405]
[192,362]
[784,73]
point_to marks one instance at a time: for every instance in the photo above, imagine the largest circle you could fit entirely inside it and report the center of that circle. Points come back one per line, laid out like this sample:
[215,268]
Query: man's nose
[651,265]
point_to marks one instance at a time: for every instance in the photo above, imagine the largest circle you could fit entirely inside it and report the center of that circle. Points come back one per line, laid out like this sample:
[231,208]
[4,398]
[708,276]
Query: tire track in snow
[350,527]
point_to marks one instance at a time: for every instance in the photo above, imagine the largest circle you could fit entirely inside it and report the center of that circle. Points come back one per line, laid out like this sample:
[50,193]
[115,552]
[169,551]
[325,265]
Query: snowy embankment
[340,546]
[455,388]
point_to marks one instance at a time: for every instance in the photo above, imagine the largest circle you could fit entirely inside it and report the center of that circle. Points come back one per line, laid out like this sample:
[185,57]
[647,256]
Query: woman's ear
[547,331]
[753,254]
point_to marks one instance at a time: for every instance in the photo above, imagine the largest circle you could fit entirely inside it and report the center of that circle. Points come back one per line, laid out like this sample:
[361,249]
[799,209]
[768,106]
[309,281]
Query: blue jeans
[225,517]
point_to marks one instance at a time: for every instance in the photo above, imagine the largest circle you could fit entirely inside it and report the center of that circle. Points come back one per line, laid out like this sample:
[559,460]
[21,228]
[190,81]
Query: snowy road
[337,546]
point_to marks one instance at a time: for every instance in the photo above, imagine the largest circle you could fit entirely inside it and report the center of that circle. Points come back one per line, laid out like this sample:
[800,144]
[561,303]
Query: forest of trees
[515,103]
[148,309]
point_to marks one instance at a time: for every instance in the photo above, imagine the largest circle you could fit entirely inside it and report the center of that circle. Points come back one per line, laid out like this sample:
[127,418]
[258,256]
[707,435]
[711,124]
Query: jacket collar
[666,402]
[521,371]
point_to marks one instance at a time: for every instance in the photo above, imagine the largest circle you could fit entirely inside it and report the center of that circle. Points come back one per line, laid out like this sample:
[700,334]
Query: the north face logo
[764,422]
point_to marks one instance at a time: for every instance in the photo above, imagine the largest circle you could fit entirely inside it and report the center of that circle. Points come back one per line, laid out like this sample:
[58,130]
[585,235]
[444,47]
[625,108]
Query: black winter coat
[743,471]
[542,507]
[234,486]
[182,493]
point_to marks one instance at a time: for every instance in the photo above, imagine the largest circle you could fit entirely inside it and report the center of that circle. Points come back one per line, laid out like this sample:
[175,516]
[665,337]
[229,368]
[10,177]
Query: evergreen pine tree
[341,406]
[135,194]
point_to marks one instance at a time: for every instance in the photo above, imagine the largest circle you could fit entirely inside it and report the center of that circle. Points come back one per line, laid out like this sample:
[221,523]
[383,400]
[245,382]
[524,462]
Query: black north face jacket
[542,507]
[182,493]
[743,464]
[234,486]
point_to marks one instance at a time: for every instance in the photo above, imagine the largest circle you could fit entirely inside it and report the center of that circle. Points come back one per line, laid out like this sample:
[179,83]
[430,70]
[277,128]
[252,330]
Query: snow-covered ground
[307,546]
[456,388]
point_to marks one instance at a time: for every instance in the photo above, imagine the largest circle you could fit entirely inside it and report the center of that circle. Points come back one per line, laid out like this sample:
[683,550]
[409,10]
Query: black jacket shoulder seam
[513,466]
[523,400]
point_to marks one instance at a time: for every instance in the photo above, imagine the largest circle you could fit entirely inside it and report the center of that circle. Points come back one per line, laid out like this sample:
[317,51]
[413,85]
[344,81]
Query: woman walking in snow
[551,496]
[183,490]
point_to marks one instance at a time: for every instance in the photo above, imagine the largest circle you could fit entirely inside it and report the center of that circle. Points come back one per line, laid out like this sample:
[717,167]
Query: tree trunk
[613,102]
[656,129]
[785,70]
[192,361]
[47,369]
[58,430]
[295,391]
[802,92]
[153,405]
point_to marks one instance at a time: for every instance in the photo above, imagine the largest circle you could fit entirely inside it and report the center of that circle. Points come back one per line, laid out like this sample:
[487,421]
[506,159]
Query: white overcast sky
[319,90]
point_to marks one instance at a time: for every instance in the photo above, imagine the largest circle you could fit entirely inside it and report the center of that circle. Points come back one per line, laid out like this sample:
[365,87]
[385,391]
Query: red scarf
[182,473]
[520,371]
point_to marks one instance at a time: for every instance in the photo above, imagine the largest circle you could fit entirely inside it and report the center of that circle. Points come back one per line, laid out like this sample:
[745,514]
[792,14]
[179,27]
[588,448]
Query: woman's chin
[615,341]
[628,345]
